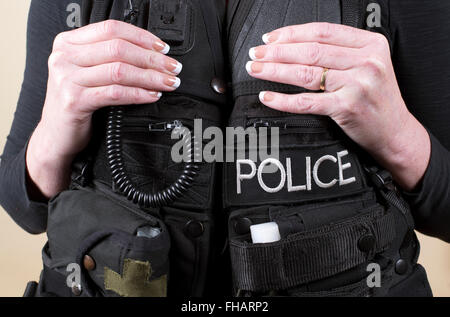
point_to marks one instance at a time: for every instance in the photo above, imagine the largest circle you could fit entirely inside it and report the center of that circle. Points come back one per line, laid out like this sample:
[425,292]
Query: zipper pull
[261,124]
[131,13]
[164,126]
[269,124]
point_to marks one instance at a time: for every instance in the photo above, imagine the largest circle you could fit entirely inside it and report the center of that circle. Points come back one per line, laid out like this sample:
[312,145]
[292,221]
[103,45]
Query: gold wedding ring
[323,80]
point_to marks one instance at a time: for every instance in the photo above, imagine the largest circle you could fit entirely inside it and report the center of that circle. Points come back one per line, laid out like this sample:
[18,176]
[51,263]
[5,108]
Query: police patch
[302,173]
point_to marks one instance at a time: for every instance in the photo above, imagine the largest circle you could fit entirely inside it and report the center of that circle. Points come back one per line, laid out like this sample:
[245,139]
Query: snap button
[401,267]
[366,243]
[194,229]
[76,289]
[242,225]
[219,86]
[89,263]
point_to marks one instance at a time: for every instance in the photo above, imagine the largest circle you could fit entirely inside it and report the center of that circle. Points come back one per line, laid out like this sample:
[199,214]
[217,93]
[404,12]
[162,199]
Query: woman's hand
[361,92]
[104,64]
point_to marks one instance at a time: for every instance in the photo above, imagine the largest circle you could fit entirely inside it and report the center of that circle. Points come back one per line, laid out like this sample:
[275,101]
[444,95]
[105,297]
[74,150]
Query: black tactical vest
[340,216]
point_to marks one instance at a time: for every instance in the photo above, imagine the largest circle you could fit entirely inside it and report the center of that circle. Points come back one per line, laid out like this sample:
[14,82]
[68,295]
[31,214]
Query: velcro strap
[309,256]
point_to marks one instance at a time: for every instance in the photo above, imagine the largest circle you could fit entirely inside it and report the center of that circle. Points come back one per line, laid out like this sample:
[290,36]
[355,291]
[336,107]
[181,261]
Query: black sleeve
[46,19]
[421,56]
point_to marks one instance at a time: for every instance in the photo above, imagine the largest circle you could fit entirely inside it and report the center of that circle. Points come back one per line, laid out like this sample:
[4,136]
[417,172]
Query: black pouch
[318,241]
[99,246]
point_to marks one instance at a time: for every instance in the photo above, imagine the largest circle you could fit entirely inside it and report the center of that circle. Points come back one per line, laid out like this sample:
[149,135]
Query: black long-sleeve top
[420,31]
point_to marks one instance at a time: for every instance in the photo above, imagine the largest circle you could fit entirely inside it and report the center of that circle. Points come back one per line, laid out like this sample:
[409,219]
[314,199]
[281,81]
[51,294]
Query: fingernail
[270,37]
[257,53]
[254,67]
[173,82]
[161,47]
[266,96]
[155,94]
[174,67]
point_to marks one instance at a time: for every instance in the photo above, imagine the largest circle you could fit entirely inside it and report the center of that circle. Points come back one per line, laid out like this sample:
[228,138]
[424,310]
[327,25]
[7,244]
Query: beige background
[20,252]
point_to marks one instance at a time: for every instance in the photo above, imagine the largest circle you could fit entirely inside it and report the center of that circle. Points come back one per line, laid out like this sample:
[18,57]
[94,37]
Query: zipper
[131,13]
[139,125]
[286,123]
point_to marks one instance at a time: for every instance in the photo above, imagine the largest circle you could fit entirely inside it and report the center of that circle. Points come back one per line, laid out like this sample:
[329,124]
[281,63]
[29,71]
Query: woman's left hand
[361,91]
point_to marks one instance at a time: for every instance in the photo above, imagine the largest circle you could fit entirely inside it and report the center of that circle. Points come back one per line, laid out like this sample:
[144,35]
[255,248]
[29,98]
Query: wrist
[48,169]
[409,153]
[43,150]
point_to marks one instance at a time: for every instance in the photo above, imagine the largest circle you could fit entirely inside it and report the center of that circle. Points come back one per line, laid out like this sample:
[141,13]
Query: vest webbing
[309,256]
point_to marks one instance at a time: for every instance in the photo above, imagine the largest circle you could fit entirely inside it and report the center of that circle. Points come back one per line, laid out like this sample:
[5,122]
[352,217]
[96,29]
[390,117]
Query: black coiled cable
[123,182]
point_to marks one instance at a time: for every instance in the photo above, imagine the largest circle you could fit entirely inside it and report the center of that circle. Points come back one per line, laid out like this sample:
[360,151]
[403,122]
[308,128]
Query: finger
[123,51]
[306,103]
[117,95]
[312,54]
[126,75]
[326,33]
[308,77]
[112,29]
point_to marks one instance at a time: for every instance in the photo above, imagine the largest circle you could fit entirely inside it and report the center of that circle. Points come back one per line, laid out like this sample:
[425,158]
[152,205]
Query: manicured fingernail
[161,47]
[155,94]
[254,67]
[270,37]
[173,82]
[257,53]
[174,67]
[266,96]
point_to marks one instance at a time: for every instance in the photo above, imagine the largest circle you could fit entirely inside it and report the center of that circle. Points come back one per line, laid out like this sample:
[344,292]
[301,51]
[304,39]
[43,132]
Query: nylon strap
[309,256]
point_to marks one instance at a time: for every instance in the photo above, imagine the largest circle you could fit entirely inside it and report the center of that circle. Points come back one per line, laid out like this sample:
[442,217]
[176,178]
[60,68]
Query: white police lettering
[261,171]
[342,168]
[240,176]
[308,176]
[311,174]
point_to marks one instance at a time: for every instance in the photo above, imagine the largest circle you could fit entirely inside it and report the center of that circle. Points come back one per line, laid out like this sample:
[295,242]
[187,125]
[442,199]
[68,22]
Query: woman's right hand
[109,63]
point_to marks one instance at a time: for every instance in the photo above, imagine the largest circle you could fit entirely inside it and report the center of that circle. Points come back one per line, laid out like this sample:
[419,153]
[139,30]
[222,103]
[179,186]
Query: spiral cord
[123,182]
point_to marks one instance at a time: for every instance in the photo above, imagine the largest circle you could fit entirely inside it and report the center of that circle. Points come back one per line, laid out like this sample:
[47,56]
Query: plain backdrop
[20,253]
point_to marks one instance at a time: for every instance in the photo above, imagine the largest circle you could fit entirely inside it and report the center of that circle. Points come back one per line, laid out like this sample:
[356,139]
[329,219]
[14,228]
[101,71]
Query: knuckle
[349,111]
[323,31]
[305,75]
[69,101]
[151,60]
[115,92]
[278,52]
[290,34]
[55,59]
[272,71]
[374,67]
[380,40]
[135,95]
[117,48]
[364,87]
[108,27]
[153,78]
[117,72]
[58,42]
[305,103]
[313,53]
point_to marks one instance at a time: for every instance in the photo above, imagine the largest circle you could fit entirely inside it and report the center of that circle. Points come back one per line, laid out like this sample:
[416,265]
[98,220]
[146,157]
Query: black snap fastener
[219,86]
[76,289]
[401,267]
[366,243]
[242,225]
[194,229]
